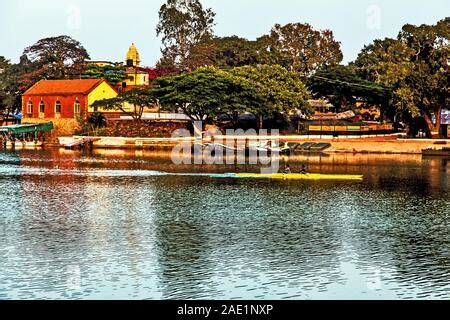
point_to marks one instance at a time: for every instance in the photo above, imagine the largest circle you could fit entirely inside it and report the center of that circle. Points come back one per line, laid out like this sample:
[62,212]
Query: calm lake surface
[108,225]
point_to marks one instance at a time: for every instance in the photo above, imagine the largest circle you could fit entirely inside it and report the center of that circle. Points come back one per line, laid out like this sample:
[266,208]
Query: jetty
[78,142]
[25,135]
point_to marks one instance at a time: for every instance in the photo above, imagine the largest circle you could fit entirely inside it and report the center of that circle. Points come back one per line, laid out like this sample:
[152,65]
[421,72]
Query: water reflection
[70,227]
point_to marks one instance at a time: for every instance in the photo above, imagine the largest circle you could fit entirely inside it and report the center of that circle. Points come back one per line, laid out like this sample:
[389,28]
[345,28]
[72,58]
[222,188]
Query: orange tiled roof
[62,87]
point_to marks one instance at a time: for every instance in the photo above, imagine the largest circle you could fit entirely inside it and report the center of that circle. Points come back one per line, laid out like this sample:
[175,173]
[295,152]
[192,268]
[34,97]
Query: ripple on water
[79,227]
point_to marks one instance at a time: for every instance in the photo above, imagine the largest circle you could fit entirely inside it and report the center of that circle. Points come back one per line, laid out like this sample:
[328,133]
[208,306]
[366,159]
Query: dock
[32,134]
[79,143]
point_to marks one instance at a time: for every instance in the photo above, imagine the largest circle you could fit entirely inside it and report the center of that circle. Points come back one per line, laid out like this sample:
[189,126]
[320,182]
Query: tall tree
[415,65]
[59,57]
[10,94]
[51,58]
[300,47]
[385,61]
[182,24]
[429,77]
[283,89]
[208,92]
[224,53]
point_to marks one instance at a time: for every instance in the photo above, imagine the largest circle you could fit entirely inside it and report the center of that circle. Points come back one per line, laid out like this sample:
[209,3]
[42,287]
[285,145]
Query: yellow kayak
[299,176]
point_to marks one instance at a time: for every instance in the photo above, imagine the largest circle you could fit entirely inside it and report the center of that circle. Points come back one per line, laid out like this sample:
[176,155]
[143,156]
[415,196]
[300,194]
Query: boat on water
[274,176]
[300,176]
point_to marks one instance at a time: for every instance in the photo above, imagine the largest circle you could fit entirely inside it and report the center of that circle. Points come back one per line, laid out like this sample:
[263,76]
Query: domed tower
[133,59]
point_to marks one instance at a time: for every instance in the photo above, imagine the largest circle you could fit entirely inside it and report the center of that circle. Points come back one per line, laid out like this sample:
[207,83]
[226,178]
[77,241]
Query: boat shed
[25,132]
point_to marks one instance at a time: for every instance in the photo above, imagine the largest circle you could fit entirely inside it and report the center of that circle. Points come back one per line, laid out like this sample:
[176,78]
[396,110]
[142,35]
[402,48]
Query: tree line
[206,76]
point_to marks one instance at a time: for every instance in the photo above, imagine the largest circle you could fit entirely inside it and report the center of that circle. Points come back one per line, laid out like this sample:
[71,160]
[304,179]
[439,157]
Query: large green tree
[224,53]
[52,58]
[284,90]
[182,24]
[415,66]
[299,47]
[60,57]
[10,93]
[5,94]
[207,93]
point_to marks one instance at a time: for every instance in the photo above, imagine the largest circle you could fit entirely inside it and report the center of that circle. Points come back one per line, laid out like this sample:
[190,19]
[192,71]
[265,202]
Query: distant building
[64,99]
[135,76]
[321,106]
[100,63]
[133,59]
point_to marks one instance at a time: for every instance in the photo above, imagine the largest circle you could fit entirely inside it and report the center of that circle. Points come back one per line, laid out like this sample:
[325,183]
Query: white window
[30,107]
[77,107]
[41,107]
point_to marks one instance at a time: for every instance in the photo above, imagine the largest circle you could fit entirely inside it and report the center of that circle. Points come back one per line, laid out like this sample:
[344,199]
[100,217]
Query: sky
[106,28]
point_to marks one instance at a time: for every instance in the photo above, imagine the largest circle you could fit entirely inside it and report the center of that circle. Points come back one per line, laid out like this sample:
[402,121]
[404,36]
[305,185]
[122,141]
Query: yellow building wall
[137,79]
[130,108]
[103,91]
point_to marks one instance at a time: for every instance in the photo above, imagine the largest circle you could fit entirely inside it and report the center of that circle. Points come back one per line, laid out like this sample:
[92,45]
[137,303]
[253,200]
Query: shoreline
[366,145]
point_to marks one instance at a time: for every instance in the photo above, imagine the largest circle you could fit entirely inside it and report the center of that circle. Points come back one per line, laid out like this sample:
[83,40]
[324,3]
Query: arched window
[58,106]
[76,107]
[41,106]
[30,107]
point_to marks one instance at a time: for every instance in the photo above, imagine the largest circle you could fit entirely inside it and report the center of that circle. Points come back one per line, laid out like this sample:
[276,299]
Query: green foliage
[56,58]
[415,65]
[384,61]
[224,53]
[97,120]
[182,24]
[51,58]
[112,74]
[208,92]
[342,86]
[10,94]
[299,47]
[132,102]
[284,90]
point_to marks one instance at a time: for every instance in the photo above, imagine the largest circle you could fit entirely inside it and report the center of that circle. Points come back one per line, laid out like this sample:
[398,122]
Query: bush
[97,120]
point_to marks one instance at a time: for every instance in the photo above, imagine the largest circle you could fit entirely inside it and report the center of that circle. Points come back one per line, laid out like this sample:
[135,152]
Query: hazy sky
[106,28]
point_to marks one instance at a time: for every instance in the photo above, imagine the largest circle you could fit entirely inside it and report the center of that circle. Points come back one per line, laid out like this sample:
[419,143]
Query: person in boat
[287,170]
[303,170]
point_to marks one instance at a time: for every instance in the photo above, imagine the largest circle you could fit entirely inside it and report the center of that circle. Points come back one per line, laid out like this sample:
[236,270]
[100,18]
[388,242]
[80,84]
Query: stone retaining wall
[62,127]
[142,129]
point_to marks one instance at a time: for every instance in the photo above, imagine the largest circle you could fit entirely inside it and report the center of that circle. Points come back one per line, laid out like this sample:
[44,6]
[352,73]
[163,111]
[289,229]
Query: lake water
[108,225]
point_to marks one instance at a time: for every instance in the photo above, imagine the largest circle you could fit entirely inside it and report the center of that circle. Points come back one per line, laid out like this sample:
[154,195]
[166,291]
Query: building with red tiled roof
[65,99]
